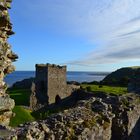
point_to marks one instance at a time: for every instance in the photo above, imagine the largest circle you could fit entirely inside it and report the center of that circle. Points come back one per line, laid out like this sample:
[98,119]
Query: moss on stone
[106,125]
[89,123]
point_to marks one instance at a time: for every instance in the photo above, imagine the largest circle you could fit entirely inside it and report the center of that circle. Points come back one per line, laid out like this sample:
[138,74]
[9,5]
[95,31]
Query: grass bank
[22,115]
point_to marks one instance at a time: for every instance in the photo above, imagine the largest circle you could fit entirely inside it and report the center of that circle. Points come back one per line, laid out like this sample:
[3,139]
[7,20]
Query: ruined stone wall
[133,125]
[100,117]
[41,85]
[134,84]
[126,124]
[56,82]
[6,59]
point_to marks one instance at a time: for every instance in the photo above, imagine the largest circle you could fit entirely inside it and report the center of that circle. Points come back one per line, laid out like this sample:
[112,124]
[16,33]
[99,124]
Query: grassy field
[106,89]
[22,114]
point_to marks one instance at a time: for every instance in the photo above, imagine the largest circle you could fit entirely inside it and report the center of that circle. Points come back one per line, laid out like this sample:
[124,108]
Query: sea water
[71,76]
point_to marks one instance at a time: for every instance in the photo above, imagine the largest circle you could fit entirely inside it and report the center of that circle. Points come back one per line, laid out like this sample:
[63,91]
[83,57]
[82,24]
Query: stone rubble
[96,118]
[79,123]
[6,59]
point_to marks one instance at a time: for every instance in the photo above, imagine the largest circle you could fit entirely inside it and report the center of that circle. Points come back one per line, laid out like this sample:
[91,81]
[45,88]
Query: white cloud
[120,33]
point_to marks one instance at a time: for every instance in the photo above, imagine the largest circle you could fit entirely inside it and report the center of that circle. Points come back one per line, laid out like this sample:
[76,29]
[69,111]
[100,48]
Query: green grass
[22,115]
[135,67]
[106,89]
[21,96]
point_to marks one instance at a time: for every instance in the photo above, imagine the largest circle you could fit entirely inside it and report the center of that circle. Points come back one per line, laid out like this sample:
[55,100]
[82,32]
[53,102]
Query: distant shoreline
[101,74]
[71,76]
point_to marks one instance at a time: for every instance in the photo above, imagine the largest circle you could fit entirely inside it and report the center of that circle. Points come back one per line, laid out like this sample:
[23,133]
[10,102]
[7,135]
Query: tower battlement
[50,65]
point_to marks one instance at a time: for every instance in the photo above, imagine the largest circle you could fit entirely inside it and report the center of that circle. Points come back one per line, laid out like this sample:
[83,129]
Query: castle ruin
[50,85]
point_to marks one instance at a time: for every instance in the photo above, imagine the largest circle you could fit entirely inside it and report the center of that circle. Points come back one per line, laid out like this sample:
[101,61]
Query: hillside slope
[121,76]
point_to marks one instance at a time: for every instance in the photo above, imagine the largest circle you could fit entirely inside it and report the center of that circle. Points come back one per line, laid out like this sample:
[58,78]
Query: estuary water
[71,76]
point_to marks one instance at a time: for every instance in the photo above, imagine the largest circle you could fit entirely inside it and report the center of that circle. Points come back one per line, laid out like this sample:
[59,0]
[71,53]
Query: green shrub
[100,86]
[88,89]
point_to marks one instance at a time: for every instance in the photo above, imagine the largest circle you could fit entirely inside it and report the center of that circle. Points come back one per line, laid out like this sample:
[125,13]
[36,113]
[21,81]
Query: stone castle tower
[50,84]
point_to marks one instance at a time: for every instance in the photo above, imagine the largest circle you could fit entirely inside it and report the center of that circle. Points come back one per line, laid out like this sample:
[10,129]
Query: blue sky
[85,35]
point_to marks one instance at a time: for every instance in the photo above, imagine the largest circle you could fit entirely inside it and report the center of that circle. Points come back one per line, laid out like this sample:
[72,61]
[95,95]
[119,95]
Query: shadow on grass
[64,104]
[21,96]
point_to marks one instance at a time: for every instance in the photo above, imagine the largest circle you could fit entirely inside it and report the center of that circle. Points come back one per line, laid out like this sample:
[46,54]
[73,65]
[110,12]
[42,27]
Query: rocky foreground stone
[97,118]
[6,59]
[6,106]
